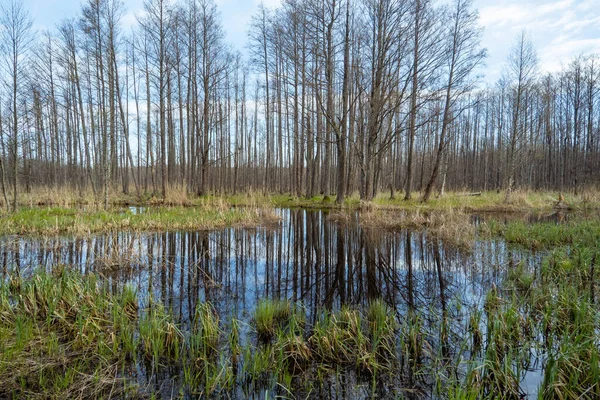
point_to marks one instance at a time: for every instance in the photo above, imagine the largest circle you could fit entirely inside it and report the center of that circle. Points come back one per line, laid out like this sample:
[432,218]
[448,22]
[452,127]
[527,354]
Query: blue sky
[560,29]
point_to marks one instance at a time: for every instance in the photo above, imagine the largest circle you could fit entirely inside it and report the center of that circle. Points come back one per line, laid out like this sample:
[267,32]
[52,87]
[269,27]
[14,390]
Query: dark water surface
[307,258]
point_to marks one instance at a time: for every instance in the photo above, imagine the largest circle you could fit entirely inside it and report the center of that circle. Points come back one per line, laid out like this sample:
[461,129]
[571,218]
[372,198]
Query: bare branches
[346,97]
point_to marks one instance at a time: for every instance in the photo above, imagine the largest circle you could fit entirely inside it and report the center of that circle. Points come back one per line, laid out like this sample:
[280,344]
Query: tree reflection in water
[307,259]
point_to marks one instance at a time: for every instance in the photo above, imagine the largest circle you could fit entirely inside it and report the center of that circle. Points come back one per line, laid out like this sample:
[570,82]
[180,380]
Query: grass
[452,226]
[61,338]
[269,316]
[463,201]
[490,201]
[64,334]
[493,201]
[521,200]
[550,309]
[546,235]
[53,221]
[160,337]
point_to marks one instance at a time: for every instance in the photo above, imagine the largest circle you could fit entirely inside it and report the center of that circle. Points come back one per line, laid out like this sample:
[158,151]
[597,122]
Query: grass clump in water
[60,339]
[204,336]
[293,351]
[520,277]
[549,314]
[382,329]
[160,337]
[452,226]
[269,316]
[67,334]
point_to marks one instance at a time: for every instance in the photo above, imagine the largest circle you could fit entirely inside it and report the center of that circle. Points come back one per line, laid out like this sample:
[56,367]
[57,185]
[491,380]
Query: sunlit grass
[51,221]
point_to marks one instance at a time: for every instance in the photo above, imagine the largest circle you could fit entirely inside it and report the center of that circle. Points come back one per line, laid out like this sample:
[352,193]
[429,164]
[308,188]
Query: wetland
[313,306]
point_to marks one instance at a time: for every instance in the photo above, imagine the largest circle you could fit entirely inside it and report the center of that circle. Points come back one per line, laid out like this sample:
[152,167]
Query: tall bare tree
[17,37]
[464,55]
[522,63]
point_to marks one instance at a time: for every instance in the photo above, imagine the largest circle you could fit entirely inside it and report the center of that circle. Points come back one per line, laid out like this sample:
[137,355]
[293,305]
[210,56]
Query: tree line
[329,97]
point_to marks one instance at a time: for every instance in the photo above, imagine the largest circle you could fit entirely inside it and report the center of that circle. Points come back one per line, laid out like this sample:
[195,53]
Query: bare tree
[464,55]
[259,35]
[17,37]
[426,60]
[522,63]
[157,31]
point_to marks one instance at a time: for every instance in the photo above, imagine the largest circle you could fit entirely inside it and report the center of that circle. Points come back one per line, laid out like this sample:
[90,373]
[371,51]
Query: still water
[307,258]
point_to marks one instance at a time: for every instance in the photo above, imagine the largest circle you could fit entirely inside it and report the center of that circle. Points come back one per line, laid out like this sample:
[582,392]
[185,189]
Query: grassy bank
[576,233]
[446,219]
[82,221]
[521,201]
[491,201]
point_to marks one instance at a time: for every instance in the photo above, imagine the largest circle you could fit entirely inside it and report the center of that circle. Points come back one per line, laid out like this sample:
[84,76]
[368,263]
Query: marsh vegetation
[314,307]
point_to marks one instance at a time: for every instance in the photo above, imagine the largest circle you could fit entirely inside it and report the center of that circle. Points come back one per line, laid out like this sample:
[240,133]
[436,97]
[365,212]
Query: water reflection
[308,259]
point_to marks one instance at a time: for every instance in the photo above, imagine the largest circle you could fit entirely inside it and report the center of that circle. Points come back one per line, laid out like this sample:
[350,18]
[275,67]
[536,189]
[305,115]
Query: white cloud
[559,29]
[561,51]
[493,17]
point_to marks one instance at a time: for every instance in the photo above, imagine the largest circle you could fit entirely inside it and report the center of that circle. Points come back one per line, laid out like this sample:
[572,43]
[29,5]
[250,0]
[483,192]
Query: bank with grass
[84,221]
[520,201]
[447,216]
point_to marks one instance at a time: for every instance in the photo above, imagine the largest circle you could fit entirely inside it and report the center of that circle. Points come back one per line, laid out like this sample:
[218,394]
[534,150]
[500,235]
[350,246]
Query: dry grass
[177,196]
[339,216]
[452,226]
[521,199]
[59,197]
[118,258]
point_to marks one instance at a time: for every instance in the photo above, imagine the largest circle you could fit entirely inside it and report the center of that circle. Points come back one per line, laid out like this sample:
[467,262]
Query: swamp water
[432,288]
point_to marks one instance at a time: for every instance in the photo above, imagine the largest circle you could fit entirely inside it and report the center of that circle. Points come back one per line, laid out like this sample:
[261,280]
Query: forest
[328,98]
[352,204]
